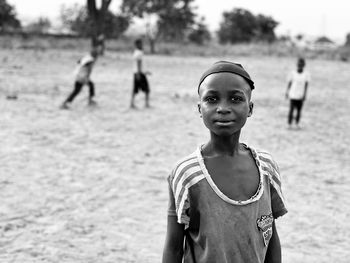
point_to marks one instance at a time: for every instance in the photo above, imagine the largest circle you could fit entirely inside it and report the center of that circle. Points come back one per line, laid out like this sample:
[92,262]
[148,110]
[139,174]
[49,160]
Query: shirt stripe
[187,173]
[180,167]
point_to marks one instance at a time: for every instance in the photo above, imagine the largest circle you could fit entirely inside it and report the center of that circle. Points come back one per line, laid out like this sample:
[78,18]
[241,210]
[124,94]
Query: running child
[298,81]
[140,79]
[82,77]
[225,196]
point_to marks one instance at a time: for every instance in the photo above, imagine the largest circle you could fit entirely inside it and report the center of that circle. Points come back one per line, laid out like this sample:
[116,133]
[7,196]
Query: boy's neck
[220,145]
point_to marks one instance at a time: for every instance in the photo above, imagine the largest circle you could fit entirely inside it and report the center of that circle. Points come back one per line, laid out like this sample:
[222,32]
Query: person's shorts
[141,84]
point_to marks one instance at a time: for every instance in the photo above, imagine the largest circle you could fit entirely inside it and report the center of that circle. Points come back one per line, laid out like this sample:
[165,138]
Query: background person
[298,82]
[82,77]
[140,80]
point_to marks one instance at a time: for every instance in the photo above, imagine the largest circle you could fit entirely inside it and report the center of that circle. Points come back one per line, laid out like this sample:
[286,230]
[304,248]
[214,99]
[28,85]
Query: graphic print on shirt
[264,224]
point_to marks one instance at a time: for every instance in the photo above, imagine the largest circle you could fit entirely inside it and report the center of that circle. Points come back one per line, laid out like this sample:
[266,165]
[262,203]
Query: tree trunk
[97,17]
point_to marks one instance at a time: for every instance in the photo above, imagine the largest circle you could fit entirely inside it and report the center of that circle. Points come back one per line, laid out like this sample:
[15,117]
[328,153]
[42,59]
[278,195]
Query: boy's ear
[251,106]
[199,109]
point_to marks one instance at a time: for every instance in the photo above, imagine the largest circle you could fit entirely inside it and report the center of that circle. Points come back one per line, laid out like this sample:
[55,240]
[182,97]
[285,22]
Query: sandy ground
[89,184]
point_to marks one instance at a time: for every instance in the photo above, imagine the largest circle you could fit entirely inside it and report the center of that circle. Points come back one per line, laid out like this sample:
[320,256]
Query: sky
[311,18]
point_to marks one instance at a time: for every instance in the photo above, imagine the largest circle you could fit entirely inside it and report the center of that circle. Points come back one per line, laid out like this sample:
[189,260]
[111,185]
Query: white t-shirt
[296,91]
[138,55]
[84,68]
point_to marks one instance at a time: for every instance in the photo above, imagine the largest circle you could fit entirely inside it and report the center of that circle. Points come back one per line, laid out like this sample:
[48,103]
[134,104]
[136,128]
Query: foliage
[265,28]
[41,25]
[8,19]
[237,26]
[347,40]
[240,25]
[199,34]
[175,17]
[175,21]
[77,19]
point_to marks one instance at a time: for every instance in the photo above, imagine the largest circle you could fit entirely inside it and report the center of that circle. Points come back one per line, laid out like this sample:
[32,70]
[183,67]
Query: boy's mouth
[224,122]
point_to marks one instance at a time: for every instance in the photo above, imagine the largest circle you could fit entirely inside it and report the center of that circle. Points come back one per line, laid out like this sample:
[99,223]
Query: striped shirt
[220,229]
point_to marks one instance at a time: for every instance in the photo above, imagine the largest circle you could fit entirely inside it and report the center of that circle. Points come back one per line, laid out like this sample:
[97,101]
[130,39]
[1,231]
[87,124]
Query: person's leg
[145,89]
[134,92]
[91,92]
[147,100]
[290,114]
[299,106]
[74,93]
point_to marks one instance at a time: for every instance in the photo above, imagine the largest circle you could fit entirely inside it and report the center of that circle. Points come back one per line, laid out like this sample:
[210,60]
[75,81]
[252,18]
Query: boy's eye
[210,99]
[237,98]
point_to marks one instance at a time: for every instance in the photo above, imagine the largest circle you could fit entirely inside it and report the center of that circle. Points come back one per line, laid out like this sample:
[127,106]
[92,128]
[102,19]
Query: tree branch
[105,5]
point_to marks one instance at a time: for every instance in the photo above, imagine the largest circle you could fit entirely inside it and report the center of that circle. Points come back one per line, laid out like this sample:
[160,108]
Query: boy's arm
[139,65]
[173,249]
[305,90]
[288,88]
[273,254]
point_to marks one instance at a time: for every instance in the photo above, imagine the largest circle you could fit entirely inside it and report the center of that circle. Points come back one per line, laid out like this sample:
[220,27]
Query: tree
[237,26]
[175,20]
[175,17]
[347,41]
[8,17]
[41,26]
[199,34]
[76,19]
[266,28]
[97,16]
[240,25]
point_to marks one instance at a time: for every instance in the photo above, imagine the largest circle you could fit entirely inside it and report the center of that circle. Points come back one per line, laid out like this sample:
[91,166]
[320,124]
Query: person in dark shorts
[298,81]
[140,79]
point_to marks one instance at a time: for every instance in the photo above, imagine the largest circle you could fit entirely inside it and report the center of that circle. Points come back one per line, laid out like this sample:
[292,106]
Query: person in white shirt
[140,79]
[82,77]
[298,82]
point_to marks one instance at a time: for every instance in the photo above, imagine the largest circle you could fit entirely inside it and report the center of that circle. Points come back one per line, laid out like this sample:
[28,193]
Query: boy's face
[139,45]
[300,66]
[225,103]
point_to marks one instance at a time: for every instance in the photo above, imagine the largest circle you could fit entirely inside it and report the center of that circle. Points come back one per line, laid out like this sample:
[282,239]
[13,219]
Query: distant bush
[240,25]
[41,26]
[199,34]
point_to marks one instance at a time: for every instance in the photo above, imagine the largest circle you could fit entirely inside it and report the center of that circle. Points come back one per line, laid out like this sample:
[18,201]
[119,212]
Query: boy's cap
[226,66]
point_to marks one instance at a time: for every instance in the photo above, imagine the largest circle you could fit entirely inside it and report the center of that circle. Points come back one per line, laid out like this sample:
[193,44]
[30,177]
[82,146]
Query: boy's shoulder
[265,158]
[268,165]
[185,167]
[87,59]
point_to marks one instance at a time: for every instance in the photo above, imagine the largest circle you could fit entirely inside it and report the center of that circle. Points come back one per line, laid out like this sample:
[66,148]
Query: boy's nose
[223,108]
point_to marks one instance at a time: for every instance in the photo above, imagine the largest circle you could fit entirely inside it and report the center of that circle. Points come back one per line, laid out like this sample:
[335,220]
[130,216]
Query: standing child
[298,81]
[140,79]
[224,198]
[82,77]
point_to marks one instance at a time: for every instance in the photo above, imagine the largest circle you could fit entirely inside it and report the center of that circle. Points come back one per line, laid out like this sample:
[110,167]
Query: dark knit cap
[226,66]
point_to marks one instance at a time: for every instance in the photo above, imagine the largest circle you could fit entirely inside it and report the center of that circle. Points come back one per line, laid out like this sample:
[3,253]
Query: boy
[224,197]
[140,79]
[298,82]
[82,78]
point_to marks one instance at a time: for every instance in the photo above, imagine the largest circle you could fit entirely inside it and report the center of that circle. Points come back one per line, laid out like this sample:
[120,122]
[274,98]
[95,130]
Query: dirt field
[89,184]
